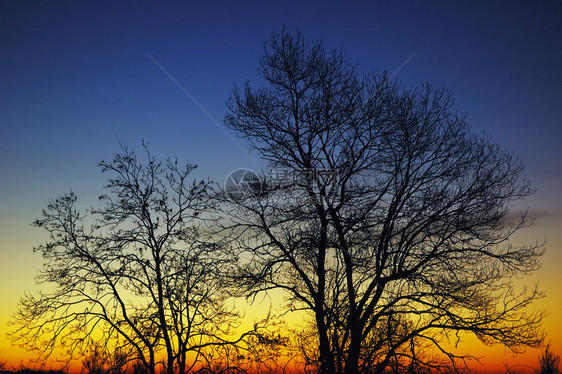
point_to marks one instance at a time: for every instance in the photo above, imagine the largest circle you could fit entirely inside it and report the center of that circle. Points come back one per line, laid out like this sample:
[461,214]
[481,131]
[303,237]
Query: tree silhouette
[136,275]
[390,223]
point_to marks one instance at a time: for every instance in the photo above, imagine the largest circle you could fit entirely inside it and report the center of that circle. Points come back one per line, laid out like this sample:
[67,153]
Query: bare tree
[136,275]
[392,227]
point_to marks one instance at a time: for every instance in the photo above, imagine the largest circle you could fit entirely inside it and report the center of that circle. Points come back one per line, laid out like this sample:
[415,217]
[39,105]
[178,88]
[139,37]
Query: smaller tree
[137,274]
[549,362]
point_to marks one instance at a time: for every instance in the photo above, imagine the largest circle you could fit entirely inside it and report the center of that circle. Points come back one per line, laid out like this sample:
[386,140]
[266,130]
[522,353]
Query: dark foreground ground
[32,371]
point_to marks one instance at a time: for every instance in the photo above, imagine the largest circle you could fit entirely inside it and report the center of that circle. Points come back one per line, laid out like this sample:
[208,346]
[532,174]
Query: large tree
[136,275]
[390,223]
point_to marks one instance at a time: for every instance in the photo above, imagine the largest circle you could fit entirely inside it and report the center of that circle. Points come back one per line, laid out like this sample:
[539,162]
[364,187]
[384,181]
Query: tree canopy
[392,230]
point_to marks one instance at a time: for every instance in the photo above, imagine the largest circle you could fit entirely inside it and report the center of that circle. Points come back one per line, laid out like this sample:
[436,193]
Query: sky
[77,78]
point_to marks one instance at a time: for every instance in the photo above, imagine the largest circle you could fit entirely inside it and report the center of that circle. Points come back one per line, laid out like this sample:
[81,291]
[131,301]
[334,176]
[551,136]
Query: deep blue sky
[75,78]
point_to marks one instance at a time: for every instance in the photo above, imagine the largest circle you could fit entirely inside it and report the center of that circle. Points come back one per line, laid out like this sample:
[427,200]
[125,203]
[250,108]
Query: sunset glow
[79,79]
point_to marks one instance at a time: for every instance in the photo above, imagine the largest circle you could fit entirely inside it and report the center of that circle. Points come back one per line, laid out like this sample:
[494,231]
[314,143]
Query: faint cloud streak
[406,61]
[536,217]
[197,103]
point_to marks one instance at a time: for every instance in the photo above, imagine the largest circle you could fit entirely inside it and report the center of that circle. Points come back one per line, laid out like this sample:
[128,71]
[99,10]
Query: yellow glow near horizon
[17,274]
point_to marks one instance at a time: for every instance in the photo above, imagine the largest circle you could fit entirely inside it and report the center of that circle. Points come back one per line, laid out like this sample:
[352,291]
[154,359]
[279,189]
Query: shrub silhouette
[548,362]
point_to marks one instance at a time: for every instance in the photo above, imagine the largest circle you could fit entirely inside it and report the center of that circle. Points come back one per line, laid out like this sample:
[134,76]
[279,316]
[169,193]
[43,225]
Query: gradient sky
[77,77]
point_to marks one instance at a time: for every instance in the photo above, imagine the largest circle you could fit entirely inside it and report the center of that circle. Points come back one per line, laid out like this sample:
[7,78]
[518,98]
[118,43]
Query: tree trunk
[352,360]
[326,355]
